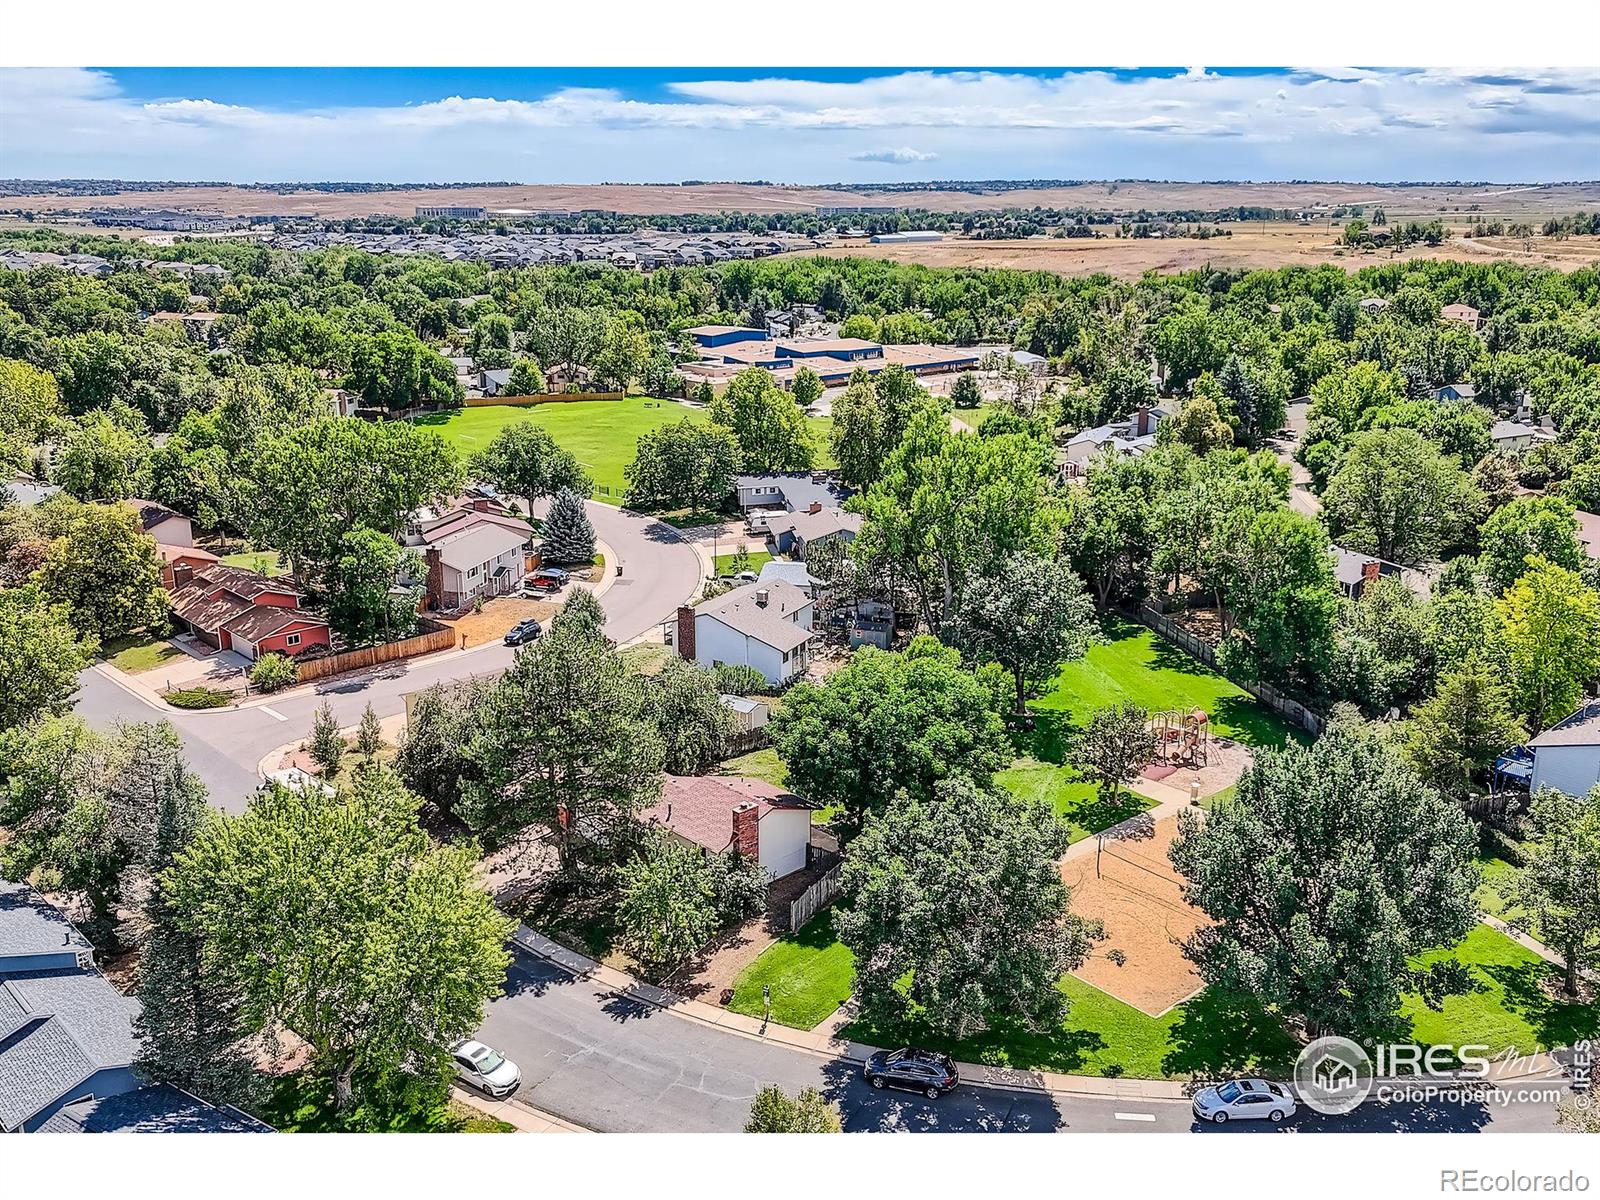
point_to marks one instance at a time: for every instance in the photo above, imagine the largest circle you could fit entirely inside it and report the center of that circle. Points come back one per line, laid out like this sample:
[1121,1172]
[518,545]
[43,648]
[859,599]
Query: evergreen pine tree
[568,536]
[369,737]
[327,743]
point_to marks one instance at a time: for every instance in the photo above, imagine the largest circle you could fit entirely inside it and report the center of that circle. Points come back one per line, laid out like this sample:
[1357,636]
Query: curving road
[659,571]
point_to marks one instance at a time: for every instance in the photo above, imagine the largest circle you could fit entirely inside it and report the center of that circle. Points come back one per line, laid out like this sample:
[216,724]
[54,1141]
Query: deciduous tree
[1559,883]
[1547,635]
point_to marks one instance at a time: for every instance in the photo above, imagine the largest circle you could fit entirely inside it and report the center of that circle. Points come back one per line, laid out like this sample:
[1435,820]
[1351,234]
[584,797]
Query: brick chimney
[1141,424]
[685,638]
[434,589]
[815,507]
[178,574]
[1369,572]
[747,829]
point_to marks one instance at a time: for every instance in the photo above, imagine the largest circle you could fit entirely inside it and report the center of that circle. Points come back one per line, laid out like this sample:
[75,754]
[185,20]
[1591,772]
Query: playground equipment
[1183,739]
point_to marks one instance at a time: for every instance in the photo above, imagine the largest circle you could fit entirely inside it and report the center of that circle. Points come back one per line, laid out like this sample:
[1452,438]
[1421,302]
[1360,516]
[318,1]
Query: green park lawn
[809,973]
[601,434]
[137,652]
[1076,801]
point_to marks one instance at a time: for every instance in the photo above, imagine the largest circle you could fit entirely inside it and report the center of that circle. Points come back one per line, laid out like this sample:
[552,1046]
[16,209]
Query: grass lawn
[1076,801]
[268,562]
[1132,663]
[302,1103]
[1507,1000]
[1497,876]
[601,434]
[758,559]
[761,764]
[809,973]
[137,652]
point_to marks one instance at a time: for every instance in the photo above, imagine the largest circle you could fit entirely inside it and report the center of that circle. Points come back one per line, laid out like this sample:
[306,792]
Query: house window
[292,640]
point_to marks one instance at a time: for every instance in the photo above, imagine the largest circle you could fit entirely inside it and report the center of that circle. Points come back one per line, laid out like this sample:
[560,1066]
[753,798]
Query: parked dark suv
[914,1070]
[523,631]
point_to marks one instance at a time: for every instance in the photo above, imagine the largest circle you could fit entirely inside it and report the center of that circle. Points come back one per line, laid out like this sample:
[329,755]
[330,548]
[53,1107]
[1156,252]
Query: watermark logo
[1333,1075]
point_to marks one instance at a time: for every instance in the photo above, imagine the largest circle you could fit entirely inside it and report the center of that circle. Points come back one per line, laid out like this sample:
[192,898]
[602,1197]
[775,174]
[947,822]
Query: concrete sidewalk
[513,1111]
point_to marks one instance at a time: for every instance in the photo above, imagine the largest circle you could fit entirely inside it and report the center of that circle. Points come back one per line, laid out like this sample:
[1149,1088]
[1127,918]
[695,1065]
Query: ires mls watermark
[1334,1075]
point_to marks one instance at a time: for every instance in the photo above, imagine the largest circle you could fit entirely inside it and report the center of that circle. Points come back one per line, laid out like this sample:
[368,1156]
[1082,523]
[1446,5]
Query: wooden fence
[1286,707]
[541,398]
[815,898]
[434,637]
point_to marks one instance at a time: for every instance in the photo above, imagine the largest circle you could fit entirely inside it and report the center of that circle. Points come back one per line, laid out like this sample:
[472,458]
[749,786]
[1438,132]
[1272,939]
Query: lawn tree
[394,370]
[1546,633]
[1283,600]
[1030,617]
[689,465]
[433,757]
[105,569]
[806,387]
[1254,399]
[1559,884]
[1455,734]
[686,705]
[41,655]
[101,459]
[1331,867]
[959,892]
[768,424]
[364,604]
[1383,652]
[809,1111]
[567,742]
[568,534]
[326,745]
[1109,530]
[1117,743]
[1532,525]
[1199,425]
[666,904]
[966,391]
[887,722]
[581,611]
[30,410]
[527,378]
[369,734]
[338,917]
[524,460]
[870,418]
[1397,497]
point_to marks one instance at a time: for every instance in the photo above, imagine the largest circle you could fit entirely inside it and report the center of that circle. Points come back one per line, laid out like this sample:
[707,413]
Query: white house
[469,553]
[167,527]
[1512,438]
[1132,436]
[762,625]
[722,814]
[1567,755]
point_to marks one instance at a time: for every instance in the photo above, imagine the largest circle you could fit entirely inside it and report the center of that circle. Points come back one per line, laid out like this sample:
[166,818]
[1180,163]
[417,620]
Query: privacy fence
[541,398]
[814,899]
[433,637]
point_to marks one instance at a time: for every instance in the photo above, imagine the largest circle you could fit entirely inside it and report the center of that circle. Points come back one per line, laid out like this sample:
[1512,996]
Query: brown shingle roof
[700,808]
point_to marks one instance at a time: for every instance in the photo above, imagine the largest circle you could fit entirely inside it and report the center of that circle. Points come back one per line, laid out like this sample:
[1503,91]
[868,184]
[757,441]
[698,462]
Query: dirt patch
[1129,884]
[498,615]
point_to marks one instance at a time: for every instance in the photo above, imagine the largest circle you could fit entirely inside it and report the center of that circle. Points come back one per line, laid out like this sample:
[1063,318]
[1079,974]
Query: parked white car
[1244,1100]
[486,1069]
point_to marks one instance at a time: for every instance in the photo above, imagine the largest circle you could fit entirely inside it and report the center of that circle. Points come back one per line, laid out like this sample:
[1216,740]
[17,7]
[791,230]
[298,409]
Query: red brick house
[251,614]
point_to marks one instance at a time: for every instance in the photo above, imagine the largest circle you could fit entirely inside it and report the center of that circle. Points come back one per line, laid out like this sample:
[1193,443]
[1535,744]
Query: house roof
[201,605]
[771,623]
[177,553]
[1582,728]
[1588,532]
[159,1108]
[264,620]
[30,924]
[797,490]
[477,543]
[812,525]
[700,808]
[152,512]
[794,573]
[37,1065]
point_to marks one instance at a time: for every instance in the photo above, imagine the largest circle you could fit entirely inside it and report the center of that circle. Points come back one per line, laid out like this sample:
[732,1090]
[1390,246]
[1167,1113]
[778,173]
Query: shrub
[739,884]
[738,679]
[271,672]
[199,697]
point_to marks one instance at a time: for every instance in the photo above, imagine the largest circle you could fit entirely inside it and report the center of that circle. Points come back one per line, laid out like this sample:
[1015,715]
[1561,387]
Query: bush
[739,884]
[737,679]
[773,1111]
[271,672]
[199,697]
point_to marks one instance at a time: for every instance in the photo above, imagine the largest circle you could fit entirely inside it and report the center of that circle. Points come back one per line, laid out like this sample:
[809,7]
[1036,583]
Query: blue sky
[557,125]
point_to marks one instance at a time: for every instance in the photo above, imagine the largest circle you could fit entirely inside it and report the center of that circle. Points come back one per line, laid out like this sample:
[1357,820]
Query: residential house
[787,491]
[1514,438]
[791,533]
[1034,364]
[187,558]
[1464,313]
[1588,532]
[1353,571]
[495,383]
[1132,436]
[67,1044]
[168,527]
[765,626]
[751,817]
[793,573]
[1456,391]
[29,492]
[230,608]
[1373,304]
[470,552]
[1567,755]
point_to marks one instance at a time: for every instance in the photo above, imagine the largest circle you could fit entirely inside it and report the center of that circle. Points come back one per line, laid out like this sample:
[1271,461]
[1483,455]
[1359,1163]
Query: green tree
[566,742]
[1367,867]
[1199,425]
[1397,497]
[326,746]
[806,387]
[966,392]
[100,459]
[695,726]
[688,465]
[1531,525]
[433,757]
[887,722]
[40,656]
[369,734]
[1547,634]
[30,409]
[105,570]
[770,428]
[774,1111]
[568,534]
[1283,601]
[524,460]
[1456,733]
[527,378]
[1030,617]
[1117,744]
[364,604]
[339,918]
[394,370]
[666,904]
[1559,883]
[955,911]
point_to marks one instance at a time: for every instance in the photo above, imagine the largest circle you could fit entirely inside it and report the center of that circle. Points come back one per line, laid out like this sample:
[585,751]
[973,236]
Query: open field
[1485,200]
[1253,245]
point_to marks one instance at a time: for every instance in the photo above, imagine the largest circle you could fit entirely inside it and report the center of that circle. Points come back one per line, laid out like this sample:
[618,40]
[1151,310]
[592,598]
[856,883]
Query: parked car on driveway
[546,579]
[486,1069]
[524,631]
[1244,1100]
[924,1071]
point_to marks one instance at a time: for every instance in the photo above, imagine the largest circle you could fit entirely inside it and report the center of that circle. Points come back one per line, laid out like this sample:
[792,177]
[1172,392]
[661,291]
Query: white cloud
[1198,123]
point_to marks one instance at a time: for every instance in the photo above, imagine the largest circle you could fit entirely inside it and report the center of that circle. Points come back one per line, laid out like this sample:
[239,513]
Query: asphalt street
[614,1064]
[224,746]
